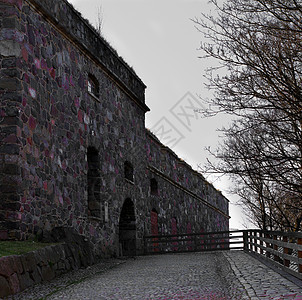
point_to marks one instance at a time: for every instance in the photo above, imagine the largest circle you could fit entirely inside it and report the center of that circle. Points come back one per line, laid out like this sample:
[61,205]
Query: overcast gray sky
[158,39]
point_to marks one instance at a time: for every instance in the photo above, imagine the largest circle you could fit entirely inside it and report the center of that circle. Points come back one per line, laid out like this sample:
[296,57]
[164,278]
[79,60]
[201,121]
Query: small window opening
[128,168]
[93,85]
[153,186]
[94,182]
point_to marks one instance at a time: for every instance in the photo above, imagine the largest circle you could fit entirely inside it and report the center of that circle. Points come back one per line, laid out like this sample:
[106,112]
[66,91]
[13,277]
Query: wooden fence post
[267,245]
[300,254]
[275,247]
[245,240]
[261,242]
[286,262]
[255,242]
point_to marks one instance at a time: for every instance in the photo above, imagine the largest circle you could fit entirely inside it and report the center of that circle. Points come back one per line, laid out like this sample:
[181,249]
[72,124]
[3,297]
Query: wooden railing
[281,248]
[193,242]
[284,249]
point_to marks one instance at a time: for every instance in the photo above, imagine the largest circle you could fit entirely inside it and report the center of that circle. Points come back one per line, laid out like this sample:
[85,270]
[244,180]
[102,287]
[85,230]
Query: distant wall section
[184,201]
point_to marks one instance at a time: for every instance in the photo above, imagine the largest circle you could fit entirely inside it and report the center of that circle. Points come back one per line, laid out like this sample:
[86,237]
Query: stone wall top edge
[70,21]
[154,138]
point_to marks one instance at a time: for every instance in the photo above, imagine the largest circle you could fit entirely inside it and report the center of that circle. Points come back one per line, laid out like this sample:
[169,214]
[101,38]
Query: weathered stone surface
[57,118]
[3,235]
[16,263]
[10,48]
[14,283]
[9,84]
[36,275]
[29,261]
[6,266]
[25,281]
[47,273]
[10,149]
[4,287]
[20,272]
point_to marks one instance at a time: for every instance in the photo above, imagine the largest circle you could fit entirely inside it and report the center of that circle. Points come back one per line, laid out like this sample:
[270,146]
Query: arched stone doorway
[127,229]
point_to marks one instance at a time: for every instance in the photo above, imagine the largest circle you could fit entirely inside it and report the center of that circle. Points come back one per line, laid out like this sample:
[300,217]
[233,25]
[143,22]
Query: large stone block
[6,266]
[16,263]
[29,261]
[10,48]
[3,234]
[14,283]
[47,273]
[12,149]
[4,287]
[36,275]
[25,281]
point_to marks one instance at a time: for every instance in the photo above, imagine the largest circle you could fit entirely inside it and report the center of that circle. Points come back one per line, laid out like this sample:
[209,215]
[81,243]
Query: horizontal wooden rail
[283,249]
[208,241]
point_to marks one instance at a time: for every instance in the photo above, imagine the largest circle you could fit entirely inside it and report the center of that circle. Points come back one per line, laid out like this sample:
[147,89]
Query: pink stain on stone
[43,64]
[92,230]
[19,3]
[52,73]
[32,123]
[71,81]
[24,54]
[80,116]
[51,155]
[65,83]
[26,78]
[37,63]
[77,102]
[45,185]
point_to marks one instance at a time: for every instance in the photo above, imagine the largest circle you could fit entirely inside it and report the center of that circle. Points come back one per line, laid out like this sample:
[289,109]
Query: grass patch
[20,247]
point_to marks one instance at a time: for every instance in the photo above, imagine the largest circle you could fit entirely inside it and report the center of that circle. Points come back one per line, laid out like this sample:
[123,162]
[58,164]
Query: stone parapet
[19,272]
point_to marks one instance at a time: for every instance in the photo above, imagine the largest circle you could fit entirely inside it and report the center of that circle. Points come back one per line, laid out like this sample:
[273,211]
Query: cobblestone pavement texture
[211,275]
[261,281]
[175,276]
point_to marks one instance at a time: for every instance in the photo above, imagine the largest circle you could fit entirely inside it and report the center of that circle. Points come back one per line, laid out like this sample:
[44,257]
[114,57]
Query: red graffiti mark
[32,123]
[52,73]
[80,116]
[24,54]
[154,228]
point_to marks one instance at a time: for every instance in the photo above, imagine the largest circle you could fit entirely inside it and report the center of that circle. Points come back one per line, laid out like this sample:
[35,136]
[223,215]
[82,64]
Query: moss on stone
[20,247]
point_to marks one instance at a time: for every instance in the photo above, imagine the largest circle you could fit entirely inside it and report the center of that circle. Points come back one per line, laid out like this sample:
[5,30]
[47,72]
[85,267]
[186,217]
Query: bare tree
[258,44]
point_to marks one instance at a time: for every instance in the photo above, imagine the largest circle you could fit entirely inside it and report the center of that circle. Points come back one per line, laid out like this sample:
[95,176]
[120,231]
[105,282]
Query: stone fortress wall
[184,196]
[74,151]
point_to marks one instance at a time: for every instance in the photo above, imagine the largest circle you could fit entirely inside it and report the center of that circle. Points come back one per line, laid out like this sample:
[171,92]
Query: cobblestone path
[211,275]
[176,276]
[260,281]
